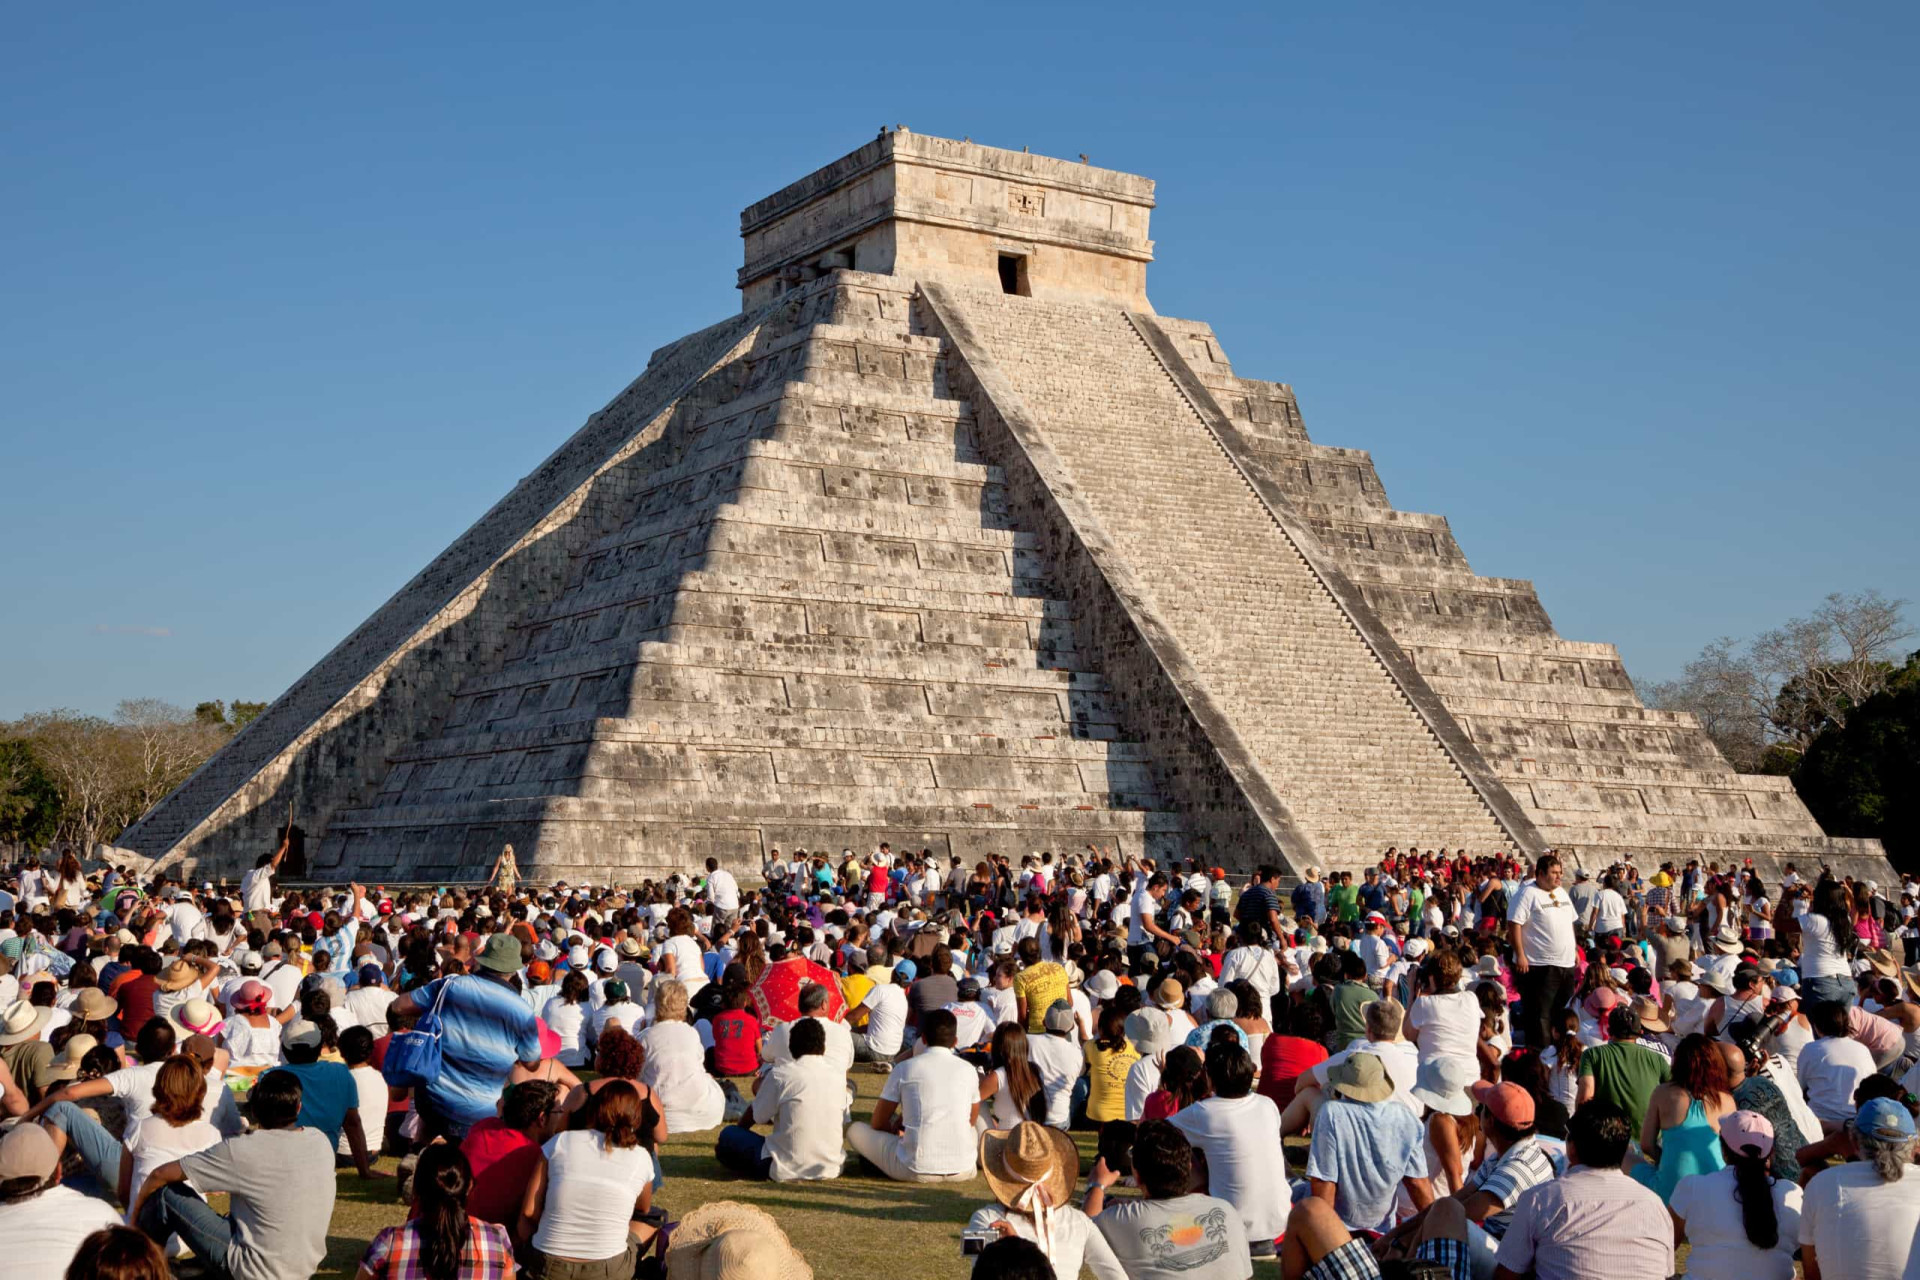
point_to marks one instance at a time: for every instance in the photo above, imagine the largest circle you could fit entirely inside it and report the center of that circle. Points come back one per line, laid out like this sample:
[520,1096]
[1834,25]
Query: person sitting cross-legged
[280,1177]
[933,1099]
[804,1098]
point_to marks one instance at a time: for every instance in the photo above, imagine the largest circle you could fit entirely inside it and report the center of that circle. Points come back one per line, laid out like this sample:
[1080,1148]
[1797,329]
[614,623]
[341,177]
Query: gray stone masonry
[965,550]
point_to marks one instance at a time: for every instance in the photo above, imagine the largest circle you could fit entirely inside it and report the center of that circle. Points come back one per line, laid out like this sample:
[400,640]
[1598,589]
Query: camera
[972,1241]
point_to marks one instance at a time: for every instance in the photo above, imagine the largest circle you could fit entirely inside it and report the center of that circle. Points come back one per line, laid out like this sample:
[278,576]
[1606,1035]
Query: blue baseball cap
[1885,1119]
[905,971]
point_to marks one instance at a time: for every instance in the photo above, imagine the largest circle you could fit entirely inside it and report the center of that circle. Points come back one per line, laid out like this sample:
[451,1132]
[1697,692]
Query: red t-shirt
[502,1161]
[136,1004]
[736,1043]
[1282,1060]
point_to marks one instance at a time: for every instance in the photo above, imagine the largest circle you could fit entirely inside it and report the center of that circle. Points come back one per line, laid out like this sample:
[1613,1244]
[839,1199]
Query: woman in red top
[502,1152]
[736,1035]
[1183,1082]
[1283,1058]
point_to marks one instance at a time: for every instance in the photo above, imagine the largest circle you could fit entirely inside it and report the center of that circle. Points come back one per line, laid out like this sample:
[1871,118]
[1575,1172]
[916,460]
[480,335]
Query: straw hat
[177,976]
[1881,961]
[198,1017]
[21,1022]
[92,1004]
[66,1063]
[1014,1159]
[727,1240]
[1647,1010]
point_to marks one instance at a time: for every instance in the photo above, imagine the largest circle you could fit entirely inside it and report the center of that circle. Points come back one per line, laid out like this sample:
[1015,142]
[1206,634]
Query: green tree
[245,713]
[30,799]
[1862,777]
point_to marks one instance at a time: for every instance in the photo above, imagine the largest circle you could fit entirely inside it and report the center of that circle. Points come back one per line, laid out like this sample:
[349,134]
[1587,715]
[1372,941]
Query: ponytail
[441,1181]
[1753,1189]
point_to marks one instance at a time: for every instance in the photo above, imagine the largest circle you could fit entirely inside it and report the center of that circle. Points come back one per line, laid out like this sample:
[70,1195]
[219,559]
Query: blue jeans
[175,1210]
[96,1146]
[743,1151]
[1838,988]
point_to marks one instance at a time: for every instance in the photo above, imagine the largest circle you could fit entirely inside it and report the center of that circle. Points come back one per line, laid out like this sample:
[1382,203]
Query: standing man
[1142,928]
[1309,897]
[1261,900]
[1540,927]
[723,893]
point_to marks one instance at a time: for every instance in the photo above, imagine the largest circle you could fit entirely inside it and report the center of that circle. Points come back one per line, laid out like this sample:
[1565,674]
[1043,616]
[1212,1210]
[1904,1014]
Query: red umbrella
[777,994]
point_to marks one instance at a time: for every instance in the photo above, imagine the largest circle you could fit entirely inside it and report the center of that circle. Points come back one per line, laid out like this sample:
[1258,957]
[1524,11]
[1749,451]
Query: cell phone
[972,1242]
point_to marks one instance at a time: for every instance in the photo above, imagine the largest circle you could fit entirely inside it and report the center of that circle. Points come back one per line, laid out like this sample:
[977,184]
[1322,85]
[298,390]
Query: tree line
[1831,700]
[73,779]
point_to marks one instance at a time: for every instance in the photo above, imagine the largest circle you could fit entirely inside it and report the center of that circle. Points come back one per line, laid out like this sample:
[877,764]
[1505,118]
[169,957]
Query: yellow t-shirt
[1107,1080]
[1040,986]
[855,986]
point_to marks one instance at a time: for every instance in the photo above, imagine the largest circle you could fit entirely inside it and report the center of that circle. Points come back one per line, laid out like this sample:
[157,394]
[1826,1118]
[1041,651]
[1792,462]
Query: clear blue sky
[290,295]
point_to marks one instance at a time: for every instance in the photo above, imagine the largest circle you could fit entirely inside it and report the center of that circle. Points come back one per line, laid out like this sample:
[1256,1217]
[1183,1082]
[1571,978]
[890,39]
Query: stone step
[722,730]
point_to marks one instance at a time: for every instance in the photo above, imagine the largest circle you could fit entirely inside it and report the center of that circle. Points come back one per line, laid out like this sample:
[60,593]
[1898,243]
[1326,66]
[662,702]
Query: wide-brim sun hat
[1361,1078]
[1442,1083]
[21,1022]
[727,1240]
[91,1004]
[177,976]
[1030,1153]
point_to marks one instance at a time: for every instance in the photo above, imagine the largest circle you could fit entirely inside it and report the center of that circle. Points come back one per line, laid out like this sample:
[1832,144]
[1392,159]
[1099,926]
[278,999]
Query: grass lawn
[860,1224]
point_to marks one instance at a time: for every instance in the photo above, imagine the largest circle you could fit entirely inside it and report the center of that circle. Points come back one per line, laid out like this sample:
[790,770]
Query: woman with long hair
[1011,1083]
[1183,1082]
[1561,1057]
[589,1198]
[440,1240]
[566,1016]
[1827,945]
[751,954]
[1681,1134]
[69,886]
[1742,1222]
[1110,1056]
[1759,910]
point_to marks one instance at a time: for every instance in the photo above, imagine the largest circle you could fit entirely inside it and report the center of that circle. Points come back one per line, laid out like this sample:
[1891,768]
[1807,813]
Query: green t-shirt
[1349,1001]
[1344,903]
[1626,1075]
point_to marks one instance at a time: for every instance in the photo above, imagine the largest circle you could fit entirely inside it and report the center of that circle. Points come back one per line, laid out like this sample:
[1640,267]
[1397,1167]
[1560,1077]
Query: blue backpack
[413,1057]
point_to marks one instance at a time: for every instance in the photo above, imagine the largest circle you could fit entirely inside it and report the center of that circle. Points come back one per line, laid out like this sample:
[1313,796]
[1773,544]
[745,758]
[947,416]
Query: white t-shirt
[1058,1061]
[1830,1070]
[157,1141]
[251,1046]
[369,1007]
[1860,1227]
[1718,1234]
[1256,965]
[1076,1241]
[41,1235]
[1449,1025]
[373,1108]
[1241,1139]
[1819,957]
[677,1069]
[591,1190]
[723,891]
[936,1093]
[688,960]
[886,1019]
[804,1099]
[1001,1002]
[631,1017]
[569,1022]
[1143,1077]
[839,1044]
[256,890]
[1609,912]
[1546,925]
[1144,909]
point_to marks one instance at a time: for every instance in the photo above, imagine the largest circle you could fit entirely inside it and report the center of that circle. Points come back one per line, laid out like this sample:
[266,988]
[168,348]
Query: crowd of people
[1440,1064]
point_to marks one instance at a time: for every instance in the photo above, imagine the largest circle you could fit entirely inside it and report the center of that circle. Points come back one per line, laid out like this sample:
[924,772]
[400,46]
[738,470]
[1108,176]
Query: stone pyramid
[948,540]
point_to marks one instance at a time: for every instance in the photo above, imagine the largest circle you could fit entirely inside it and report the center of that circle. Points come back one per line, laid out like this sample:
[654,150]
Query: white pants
[887,1152]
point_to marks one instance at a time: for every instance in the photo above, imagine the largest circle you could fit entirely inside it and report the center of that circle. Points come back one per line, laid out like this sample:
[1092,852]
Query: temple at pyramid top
[947,539]
[926,208]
